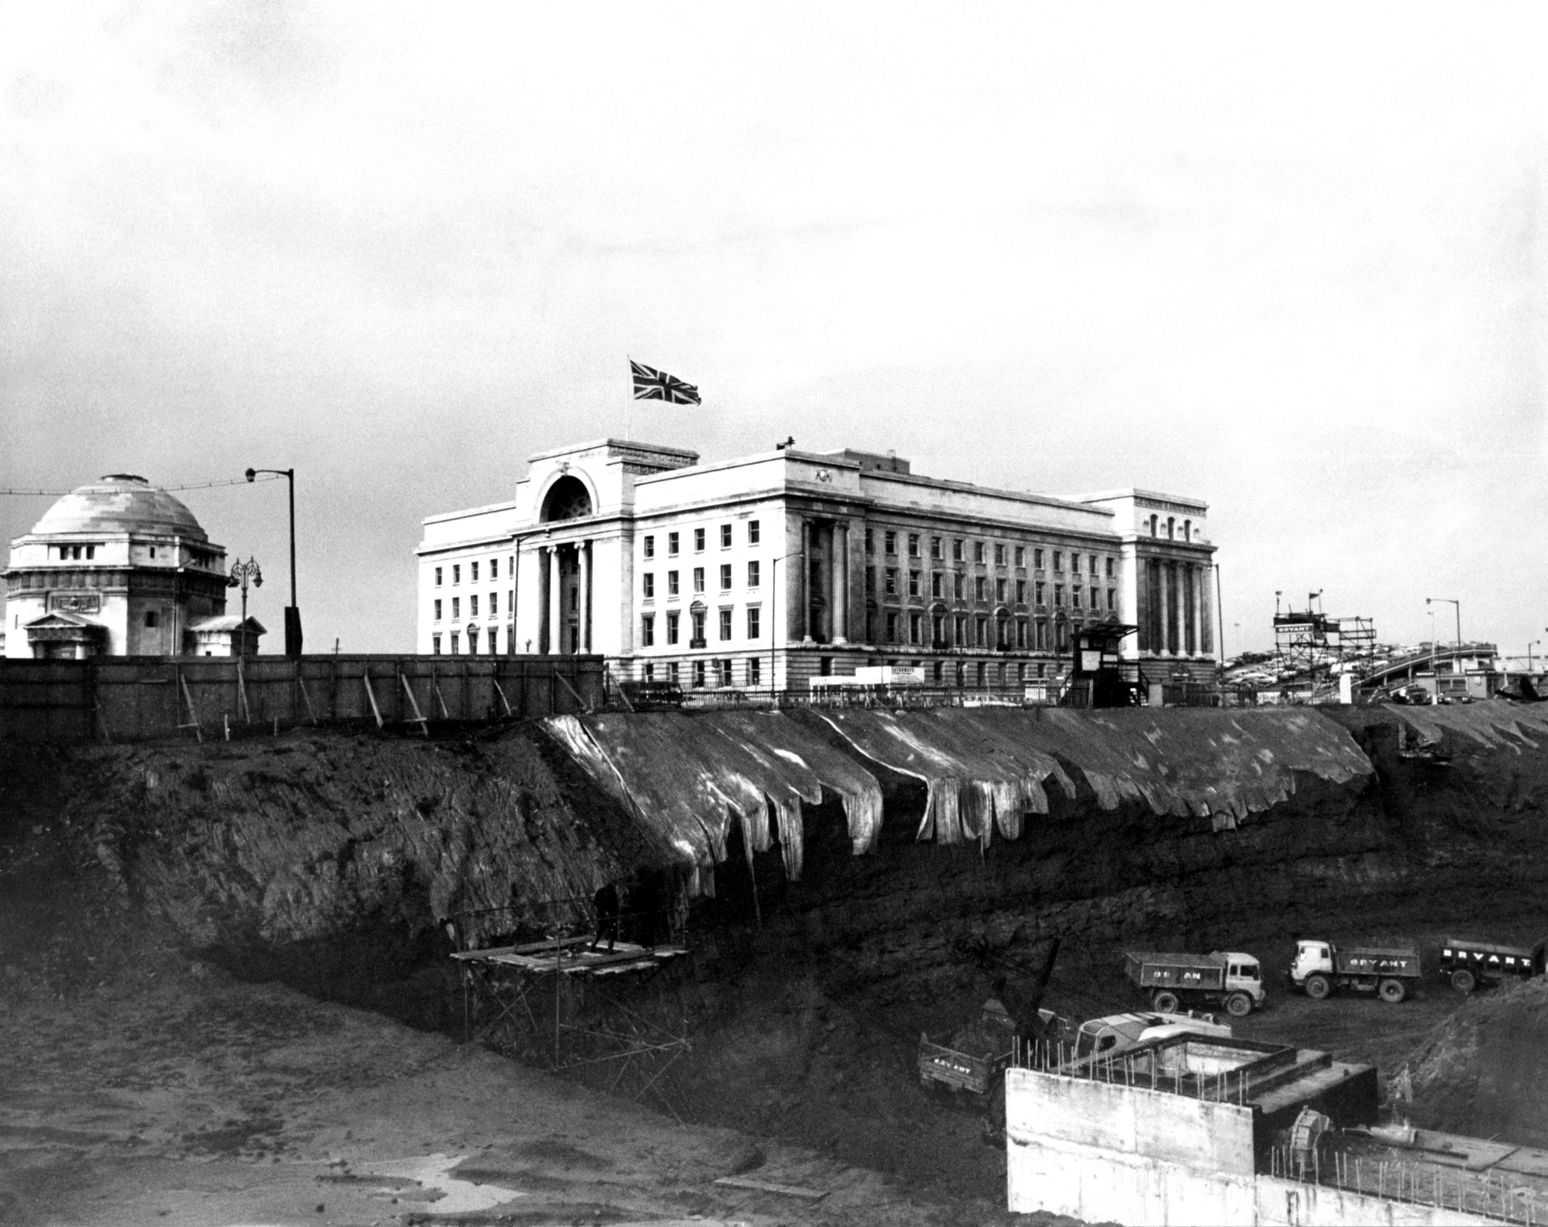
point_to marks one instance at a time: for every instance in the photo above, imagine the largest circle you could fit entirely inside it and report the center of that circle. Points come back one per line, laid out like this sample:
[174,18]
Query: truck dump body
[1150,969]
[1372,962]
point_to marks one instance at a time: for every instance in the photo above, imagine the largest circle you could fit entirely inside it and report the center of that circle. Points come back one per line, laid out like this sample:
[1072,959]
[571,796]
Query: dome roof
[120,503]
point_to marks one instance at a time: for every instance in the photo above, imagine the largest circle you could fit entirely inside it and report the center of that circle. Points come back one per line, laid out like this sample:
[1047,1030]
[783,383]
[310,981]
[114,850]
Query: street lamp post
[1456,664]
[292,611]
[242,574]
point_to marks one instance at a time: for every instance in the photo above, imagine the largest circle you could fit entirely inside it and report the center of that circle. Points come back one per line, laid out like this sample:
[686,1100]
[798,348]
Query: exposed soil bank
[328,862]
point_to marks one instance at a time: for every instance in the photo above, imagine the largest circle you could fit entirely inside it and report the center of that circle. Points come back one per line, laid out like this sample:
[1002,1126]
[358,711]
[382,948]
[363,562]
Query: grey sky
[1286,260]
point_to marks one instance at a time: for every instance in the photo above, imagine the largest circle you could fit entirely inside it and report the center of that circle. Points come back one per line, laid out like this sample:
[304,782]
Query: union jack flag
[651,384]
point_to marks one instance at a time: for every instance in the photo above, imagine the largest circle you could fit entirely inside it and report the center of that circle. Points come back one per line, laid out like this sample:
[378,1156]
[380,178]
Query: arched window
[567,499]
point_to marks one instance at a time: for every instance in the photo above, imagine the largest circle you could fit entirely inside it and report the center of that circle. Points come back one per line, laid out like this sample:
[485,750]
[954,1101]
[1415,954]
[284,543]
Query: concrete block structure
[766,571]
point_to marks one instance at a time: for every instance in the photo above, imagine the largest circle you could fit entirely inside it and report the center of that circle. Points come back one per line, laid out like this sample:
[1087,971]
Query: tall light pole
[1530,644]
[292,611]
[1456,663]
[242,574]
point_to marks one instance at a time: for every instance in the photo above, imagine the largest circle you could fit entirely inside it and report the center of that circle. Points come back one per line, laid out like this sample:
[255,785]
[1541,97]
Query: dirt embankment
[329,861]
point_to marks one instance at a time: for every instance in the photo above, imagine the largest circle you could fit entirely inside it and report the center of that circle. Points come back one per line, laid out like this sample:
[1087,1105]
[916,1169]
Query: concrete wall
[1105,1152]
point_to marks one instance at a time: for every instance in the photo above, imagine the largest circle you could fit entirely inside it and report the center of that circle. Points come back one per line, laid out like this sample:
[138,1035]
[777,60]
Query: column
[804,606]
[1199,576]
[555,623]
[841,582]
[584,613]
[1163,589]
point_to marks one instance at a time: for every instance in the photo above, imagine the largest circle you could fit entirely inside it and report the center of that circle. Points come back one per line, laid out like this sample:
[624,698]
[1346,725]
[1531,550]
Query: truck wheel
[1238,1005]
[1166,1002]
[1463,980]
[1392,991]
[1317,987]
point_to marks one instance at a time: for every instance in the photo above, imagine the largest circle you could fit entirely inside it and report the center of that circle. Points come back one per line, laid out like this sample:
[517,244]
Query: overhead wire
[195,485]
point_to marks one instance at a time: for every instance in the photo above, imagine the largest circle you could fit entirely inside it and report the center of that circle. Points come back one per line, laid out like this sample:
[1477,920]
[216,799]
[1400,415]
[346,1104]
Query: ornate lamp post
[292,611]
[242,574]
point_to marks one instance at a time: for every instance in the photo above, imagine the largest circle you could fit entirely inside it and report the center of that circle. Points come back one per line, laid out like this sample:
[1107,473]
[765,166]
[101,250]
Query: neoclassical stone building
[778,567]
[117,567]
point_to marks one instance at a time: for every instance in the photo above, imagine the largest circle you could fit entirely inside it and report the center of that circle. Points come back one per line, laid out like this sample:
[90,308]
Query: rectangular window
[648,630]
[672,627]
[650,546]
[1021,592]
[473,572]
[725,577]
[981,632]
[754,623]
[999,591]
[698,579]
[891,588]
[650,671]
[1112,599]
[892,627]
[725,624]
[672,545]
[1058,560]
[673,674]
[754,671]
[1074,596]
[672,584]
[454,643]
[1037,559]
[698,540]
[1092,560]
[494,603]
[457,573]
[1041,592]
[456,609]
[438,611]
[752,573]
[648,582]
[725,536]
[695,628]
[1058,594]
[913,545]
[438,577]
[1109,568]
[494,568]
[978,551]
[999,554]
[956,549]
[1021,634]
[1021,555]
[913,583]
[473,606]
[980,589]
[935,548]
[752,532]
[1096,598]
[435,645]
[890,542]
[914,627]
[722,672]
[1074,564]
[935,584]
[698,674]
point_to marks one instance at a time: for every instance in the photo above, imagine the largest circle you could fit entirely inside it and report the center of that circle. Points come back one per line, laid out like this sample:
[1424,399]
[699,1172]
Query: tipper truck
[1228,979]
[1469,964]
[1320,967]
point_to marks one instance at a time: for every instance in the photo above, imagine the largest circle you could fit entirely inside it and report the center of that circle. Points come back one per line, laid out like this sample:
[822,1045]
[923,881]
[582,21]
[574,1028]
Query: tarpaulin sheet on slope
[984,768]
[976,780]
[690,776]
[1496,723]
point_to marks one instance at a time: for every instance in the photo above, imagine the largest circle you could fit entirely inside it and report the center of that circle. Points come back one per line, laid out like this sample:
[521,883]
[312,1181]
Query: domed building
[117,567]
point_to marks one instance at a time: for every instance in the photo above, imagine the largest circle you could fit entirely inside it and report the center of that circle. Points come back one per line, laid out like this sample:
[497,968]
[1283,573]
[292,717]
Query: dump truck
[1320,968]
[1229,979]
[975,1056]
[1471,964]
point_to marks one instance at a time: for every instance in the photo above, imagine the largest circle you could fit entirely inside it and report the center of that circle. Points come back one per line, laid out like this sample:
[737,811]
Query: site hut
[763,572]
[117,567]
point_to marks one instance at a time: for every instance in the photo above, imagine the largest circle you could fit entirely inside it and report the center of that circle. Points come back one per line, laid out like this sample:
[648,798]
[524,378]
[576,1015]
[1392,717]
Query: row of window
[488,641]
[456,606]
[983,551]
[697,620]
[700,539]
[983,589]
[456,571]
[726,671]
[674,582]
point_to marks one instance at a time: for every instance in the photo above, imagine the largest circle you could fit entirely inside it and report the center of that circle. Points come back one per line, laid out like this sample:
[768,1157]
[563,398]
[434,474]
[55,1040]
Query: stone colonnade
[1179,622]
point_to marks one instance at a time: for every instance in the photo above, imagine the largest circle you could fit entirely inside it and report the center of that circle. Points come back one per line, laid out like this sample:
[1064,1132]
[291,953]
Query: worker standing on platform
[610,902]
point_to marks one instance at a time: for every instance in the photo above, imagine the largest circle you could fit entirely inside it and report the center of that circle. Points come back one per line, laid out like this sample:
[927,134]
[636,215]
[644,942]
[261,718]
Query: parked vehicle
[1321,968]
[975,1056]
[1114,1034]
[1231,980]
[1470,964]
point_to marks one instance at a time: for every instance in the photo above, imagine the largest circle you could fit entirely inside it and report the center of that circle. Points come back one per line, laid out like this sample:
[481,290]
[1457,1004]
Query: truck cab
[1311,957]
[1113,1034]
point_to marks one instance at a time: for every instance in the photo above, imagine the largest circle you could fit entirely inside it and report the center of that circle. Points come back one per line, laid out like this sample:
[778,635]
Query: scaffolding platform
[573,956]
